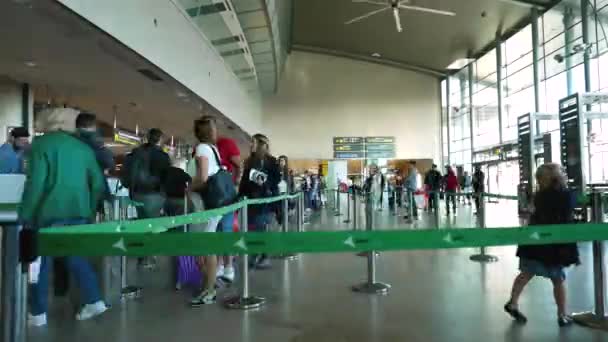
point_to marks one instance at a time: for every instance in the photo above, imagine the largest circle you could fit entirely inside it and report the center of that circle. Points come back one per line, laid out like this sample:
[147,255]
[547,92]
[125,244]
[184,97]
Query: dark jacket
[104,156]
[479,181]
[433,180]
[270,166]
[159,165]
[552,207]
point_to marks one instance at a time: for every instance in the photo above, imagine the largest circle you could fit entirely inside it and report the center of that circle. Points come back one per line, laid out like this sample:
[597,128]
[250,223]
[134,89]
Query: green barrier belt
[64,243]
[162,224]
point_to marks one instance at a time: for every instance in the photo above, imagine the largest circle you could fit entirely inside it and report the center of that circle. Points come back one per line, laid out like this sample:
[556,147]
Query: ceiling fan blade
[354,20]
[380,3]
[428,10]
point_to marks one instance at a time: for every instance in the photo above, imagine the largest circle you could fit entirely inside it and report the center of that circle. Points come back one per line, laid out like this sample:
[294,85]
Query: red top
[451,182]
[228,149]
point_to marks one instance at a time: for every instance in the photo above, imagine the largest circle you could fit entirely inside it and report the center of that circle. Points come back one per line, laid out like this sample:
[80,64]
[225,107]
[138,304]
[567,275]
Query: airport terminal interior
[465,142]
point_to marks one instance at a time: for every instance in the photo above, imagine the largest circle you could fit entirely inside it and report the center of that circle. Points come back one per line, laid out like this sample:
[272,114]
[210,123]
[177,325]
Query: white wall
[177,47]
[321,97]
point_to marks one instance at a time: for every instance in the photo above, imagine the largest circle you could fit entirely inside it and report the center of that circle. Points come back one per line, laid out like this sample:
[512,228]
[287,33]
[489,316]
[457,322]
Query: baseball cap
[20,132]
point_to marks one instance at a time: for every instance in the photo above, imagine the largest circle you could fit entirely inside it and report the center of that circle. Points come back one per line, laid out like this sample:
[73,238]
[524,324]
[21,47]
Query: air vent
[227,40]
[207,9]
[233,52]
[150,75]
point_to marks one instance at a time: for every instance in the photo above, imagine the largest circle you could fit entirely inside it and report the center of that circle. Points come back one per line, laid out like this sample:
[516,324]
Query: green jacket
[64,181]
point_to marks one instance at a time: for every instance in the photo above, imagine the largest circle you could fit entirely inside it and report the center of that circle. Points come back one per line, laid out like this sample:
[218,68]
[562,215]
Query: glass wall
[485,102]
[460,107]
[561,72]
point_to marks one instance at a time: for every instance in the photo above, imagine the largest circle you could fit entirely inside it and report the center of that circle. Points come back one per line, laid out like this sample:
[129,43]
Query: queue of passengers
[66,185]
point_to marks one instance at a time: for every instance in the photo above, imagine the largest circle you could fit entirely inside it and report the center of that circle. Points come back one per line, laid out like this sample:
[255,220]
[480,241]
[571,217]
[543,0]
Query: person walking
[64,187]
[479,186]
[553,204]
[432,181]
[411,186]
[12,152]
[451,187]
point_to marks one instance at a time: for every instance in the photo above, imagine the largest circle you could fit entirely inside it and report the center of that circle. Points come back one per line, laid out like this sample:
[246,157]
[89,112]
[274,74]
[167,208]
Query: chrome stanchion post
[436,208]
[371,286]
[244,301]
[410,207]
[14,286]
[127,291]
[355,211]
[299,220]
[481,217]
[338,213]
[347,207]
[596,319]
[285,228]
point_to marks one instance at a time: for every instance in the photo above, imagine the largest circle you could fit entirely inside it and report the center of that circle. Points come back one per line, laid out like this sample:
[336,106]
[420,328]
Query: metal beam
[499,88]
[360,57]
[535,67]
[470,74]
[448,110]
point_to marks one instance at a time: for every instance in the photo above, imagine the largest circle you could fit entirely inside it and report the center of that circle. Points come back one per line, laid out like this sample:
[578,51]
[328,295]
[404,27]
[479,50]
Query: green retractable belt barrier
[81,241]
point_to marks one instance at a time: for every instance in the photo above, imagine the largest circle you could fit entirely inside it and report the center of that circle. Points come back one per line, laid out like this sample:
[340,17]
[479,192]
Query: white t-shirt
[204,150]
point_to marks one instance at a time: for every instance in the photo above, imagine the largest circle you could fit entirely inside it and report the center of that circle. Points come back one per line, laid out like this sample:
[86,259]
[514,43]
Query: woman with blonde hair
[553,204]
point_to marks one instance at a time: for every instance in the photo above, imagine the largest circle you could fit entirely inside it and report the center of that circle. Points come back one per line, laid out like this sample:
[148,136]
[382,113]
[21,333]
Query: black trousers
[450,196]
[433,201]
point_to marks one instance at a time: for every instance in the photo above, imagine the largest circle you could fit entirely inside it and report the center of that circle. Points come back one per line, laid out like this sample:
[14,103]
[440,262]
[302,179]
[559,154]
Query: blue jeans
[81,271]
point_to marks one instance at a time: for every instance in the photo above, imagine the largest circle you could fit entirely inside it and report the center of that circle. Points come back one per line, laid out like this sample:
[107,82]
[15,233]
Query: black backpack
[137,173]
[219,190]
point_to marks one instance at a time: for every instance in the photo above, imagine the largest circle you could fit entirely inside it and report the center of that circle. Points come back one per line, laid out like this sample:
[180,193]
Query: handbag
[219,190]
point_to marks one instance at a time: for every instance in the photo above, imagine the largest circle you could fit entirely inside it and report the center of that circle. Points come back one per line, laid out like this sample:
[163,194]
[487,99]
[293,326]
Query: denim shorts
[226,224]
[539,269]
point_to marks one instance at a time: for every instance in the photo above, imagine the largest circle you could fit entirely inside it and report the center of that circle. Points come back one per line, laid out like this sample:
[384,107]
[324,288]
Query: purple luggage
[188,272]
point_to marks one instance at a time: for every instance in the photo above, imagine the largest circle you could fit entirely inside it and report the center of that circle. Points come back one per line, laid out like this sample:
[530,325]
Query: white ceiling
[80,66]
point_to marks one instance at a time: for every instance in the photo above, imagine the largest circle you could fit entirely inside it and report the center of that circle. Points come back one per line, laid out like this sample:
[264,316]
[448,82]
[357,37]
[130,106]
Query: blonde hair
[550,176]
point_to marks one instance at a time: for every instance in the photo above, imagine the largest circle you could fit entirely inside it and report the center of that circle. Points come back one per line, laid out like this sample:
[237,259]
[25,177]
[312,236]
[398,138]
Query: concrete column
[16,107]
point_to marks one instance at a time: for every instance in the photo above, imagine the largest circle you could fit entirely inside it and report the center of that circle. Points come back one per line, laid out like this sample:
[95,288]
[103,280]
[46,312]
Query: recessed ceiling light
[30,64]
[376,55]
[459,63]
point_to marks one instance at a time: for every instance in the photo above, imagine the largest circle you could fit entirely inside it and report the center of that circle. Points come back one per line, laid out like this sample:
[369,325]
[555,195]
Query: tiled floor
[436,295]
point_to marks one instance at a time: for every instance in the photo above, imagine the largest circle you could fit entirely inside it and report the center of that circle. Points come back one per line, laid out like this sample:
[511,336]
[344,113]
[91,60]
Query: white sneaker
[37,320]
[91,310]
[229,274]
[220,271]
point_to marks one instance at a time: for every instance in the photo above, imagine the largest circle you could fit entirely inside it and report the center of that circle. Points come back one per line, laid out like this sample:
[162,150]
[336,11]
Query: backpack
[137,175]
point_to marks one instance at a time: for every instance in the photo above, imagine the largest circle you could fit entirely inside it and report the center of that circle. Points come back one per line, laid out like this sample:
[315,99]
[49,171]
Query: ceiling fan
[395,6]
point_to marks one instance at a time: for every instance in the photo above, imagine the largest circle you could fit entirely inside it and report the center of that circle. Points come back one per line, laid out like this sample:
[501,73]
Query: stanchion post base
[483,258]
[130,293]
[372,288]
[364,254]
[245,303]
[337,214]
[590,320]
[346,221]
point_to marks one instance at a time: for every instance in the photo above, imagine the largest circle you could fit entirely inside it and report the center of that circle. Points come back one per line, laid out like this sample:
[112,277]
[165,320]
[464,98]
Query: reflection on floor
[436,295]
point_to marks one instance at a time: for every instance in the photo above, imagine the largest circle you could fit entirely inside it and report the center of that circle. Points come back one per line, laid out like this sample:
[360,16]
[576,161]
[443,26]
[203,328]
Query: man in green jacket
[63,188]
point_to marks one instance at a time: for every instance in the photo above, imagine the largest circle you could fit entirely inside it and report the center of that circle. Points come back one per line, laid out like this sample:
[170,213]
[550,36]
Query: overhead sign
[364,147]
[125,137]
[349,155]
[379,140]
[348,140]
